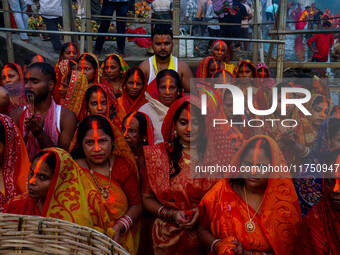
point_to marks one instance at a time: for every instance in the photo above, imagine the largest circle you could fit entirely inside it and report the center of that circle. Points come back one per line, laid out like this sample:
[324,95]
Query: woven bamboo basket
[39,235]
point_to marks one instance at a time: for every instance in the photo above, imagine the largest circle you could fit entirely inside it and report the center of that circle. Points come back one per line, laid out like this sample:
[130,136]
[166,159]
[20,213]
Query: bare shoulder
[15,115]
[145,66]
[67,117]
[184,68]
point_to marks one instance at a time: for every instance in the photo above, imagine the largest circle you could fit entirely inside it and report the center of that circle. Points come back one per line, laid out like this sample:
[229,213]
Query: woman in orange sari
[110,171]
[320,230]
[169,192]
[12,79]
[72,92]
[258,213]
[134,87]
[14,162]
[113,69]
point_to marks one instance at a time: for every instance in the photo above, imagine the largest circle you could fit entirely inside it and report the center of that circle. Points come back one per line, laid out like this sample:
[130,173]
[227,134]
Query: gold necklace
[250,225]
[103,190]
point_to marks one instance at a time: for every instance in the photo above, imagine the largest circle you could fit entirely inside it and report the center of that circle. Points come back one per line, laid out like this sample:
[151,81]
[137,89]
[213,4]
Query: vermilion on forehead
[162,38]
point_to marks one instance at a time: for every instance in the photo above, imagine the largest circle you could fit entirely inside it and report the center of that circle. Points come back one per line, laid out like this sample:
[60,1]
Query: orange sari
[277,225]
[15,168]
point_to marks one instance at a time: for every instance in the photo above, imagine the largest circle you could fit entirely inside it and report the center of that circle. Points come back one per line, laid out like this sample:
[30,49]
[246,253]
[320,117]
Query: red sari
[129,104]
[320,231]
[181,192]
[15,168]
[115,112]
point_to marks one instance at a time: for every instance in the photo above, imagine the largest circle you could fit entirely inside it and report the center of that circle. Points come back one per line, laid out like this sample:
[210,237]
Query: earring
[144,140]
[175,134]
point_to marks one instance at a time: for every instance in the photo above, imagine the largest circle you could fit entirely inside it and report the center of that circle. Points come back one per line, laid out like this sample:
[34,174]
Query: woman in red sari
[320,230]
[107,161]
[100,100]
[134,87]
[12,79]
[14,162]
[68,56]
[256,213]
[169,192]
[208,67]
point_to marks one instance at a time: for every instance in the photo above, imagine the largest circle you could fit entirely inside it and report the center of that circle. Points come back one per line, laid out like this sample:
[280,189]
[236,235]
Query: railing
[86,31]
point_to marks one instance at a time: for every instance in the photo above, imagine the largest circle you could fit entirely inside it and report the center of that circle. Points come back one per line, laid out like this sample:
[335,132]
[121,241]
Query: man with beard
[162,45]
[42,122]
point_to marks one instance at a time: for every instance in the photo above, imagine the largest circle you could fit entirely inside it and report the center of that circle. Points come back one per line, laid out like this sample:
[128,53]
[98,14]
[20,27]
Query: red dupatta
[16,163]
[202,69]
[115,113]
[129,104]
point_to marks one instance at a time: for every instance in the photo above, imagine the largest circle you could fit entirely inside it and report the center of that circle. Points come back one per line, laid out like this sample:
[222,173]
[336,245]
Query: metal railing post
[175,26]
[66,19]
[281,47]
[256,33]
[88,25]
[9,42]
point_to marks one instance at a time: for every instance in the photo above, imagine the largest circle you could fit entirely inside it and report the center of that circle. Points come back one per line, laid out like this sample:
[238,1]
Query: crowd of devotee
[110,147]
[113,147]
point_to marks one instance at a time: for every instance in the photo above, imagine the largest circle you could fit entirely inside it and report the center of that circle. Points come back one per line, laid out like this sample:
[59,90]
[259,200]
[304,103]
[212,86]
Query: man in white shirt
[51,11]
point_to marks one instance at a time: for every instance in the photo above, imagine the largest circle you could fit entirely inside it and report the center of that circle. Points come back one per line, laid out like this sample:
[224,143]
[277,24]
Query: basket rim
[20,220]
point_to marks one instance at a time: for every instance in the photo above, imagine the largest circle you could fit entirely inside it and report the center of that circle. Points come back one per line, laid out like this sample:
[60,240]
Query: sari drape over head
[15,167]
[73,196]
[226,65]
[129,104]
[115,113]
[124,67]
[202,69]
[182,192]
[276,227]
[75,94]
[16,90]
